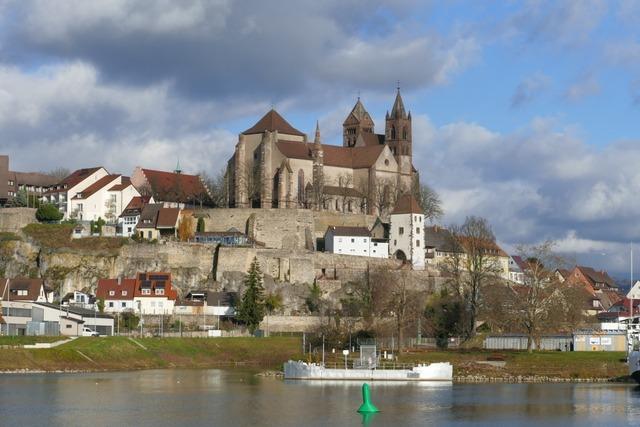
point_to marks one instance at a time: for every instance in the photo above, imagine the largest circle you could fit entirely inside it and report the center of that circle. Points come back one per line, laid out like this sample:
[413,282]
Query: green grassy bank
[121,353]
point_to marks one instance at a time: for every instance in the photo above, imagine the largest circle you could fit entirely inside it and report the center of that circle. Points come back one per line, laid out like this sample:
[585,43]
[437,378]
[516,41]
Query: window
[68,326]
[418,243]
[401,231]
[395,242]
[124,305]
[22,292]
[112,293]
[146,291]
[111,304]
[353,240]
[159,291]
[301,195]
[418,230]
[124,293]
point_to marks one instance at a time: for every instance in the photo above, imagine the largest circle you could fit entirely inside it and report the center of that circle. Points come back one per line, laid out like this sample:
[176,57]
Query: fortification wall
[13,219]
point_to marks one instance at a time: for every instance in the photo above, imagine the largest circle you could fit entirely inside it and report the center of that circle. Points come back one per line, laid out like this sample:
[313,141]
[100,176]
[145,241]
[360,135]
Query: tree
[100,305]
[185,228]
[200,225]
[429,201]
[314,299]
[48,213]
[59,173]
[542,303]
[272,302]
[443,314]
[96,226]
[471,265]
[252,306]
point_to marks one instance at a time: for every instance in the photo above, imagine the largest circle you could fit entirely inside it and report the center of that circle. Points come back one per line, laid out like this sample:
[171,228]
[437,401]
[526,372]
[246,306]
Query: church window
[386,162]
[337,205]
[301,187]
[404,132]
[393,132]
[349,205]
[418,243]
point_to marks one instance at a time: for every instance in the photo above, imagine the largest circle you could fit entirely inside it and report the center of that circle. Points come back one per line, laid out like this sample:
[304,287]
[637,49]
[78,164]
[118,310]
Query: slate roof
[440,239]
[149,215]
[349,231]
[273,121]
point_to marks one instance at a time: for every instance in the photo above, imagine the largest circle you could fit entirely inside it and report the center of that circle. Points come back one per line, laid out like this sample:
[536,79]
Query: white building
[354,241]
[516,269]
[147,294]
[89,194]
[117,294]
[130,216]
[634,292]
[406,235]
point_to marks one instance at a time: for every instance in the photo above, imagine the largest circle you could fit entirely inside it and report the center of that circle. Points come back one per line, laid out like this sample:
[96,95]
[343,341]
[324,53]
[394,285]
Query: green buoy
[367,406]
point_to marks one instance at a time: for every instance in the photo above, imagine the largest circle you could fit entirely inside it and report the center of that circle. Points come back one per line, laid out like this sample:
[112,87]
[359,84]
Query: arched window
[393,132]
[404,132]
[337,205]
[301,195]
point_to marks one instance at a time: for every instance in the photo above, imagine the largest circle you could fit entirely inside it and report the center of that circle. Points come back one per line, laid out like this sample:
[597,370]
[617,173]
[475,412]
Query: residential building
[354,241]
[117,294]
[12,182]
[78,299]
[158,222]
[208,303]
[154,293]
[601,288]
[106,198]
[130,216]
[439,244]
[517,267]
[25,289]
[294,172]
[172,189]
[406,236]
[69,320]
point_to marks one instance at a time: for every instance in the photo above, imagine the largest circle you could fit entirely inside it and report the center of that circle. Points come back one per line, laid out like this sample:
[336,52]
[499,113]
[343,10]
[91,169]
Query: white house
[634,292]
[406,235]
[354,241]
[130,216]
[117,294]
[516,269]
[79,180]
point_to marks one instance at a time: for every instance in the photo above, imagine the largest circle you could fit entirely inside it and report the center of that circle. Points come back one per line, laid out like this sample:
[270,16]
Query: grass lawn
[121,353]
[57,236]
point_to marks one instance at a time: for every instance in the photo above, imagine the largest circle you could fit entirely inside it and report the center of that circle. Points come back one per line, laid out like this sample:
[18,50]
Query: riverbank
[268,354]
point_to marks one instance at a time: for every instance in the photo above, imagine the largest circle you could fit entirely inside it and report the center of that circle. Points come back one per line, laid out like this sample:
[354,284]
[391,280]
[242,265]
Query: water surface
[232,398]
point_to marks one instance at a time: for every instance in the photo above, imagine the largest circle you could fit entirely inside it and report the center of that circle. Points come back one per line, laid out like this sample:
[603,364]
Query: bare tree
[383,196]
[59,173]
[472,265]
[429,201]
[345,191]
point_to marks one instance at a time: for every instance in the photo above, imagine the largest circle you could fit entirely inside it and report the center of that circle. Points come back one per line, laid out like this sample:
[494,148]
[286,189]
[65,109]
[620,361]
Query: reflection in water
[215,397]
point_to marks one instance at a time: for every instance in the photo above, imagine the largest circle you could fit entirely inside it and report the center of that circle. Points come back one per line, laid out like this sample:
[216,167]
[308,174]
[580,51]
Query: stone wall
[281,228]
[13,219]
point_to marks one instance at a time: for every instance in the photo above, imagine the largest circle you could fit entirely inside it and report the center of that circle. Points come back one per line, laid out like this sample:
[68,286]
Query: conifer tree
[252,306]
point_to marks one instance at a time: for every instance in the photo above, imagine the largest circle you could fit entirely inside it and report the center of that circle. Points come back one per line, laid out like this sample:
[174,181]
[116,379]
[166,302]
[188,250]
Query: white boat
[633,346]
[297,370]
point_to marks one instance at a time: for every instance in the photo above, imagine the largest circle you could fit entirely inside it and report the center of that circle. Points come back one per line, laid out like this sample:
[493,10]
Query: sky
[524,112]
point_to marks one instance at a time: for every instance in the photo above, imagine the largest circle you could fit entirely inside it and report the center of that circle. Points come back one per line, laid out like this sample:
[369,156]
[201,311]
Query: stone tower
[398,138]
[318,170]
[357,122]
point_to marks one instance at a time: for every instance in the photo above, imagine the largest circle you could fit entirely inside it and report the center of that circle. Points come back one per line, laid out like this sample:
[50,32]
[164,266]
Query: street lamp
[345,353]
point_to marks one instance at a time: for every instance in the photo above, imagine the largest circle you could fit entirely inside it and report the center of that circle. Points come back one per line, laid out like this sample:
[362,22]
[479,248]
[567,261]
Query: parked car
[88,332]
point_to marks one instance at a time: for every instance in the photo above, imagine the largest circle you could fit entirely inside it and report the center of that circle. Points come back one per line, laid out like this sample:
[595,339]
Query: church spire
[178,169]
[316,140]
[398,111]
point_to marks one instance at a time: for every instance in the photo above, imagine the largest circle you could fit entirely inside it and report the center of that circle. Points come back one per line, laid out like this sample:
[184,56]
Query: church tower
[398,138]
[318,170]
[357,122]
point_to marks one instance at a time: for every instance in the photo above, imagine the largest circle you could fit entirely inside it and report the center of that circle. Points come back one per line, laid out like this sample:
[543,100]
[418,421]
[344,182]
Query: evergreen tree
[252,306]
[200,225]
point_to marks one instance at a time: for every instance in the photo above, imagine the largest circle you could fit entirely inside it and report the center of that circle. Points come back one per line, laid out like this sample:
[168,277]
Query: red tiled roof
[126,181]
[407,204]
[345,157]
[78,176]
[123,291]
[372,139]
[174,187]
[167,218]
[9,289]
[137,202]
[597,276]
[95,187]
[273,121]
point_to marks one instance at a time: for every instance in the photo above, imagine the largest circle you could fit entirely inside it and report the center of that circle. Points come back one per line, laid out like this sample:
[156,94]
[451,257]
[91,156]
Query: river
[236,398]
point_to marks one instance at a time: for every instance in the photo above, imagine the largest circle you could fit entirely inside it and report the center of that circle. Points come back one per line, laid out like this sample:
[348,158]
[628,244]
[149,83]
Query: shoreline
[268,373]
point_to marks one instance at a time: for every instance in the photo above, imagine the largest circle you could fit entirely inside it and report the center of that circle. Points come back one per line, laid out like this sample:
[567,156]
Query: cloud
[586,86]
[536,183]
[529,89]
[271,51]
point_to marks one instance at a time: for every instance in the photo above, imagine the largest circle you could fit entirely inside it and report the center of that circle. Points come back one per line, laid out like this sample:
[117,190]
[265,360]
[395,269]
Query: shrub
[48,213]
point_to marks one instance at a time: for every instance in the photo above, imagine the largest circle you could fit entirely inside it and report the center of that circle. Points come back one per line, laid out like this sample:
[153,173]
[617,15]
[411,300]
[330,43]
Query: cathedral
[276,166]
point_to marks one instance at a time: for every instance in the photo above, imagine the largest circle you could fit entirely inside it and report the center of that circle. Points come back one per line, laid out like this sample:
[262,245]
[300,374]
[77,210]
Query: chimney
[119,280]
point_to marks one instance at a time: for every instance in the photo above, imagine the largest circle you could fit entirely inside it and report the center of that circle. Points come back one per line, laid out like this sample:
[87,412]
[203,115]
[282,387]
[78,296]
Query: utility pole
[631,276]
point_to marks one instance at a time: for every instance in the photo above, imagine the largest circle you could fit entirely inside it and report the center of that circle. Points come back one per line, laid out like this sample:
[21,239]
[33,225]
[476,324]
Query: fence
[519,342]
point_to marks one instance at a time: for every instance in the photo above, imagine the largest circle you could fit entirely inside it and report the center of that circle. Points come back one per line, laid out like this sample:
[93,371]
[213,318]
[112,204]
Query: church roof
[372,138]
[358,113]
[273,121]
[407,204]
[398,111]
[344,157]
